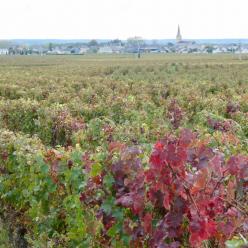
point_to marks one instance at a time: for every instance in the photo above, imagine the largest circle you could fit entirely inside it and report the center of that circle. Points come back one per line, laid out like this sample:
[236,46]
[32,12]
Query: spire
[179,36]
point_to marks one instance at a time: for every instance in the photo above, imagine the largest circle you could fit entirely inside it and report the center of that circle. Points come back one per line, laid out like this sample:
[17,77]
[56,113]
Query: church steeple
[179,36]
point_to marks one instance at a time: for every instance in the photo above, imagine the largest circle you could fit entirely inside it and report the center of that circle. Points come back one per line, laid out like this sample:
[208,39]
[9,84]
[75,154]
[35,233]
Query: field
[116,151]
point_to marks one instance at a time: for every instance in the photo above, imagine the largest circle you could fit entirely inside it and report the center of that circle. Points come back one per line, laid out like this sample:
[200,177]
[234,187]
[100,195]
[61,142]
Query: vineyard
[115,151]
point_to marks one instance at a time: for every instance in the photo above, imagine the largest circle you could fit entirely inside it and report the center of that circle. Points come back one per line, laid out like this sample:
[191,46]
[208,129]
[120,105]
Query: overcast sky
[149,19]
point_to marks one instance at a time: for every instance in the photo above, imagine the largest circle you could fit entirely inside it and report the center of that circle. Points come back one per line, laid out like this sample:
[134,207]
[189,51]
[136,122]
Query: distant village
[134,45]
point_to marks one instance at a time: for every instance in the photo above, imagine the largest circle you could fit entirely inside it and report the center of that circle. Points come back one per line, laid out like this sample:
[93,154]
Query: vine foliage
[189,194]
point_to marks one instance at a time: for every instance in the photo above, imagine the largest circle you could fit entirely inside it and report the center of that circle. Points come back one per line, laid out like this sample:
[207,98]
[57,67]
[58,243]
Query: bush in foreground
[187,195]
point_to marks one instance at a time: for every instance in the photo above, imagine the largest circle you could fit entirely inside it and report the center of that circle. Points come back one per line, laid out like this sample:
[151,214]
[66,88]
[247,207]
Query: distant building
[83,50]
[4,51]
[150,49]
[185,46]
[105,49]
[179,36]
[117,49]
[75,50]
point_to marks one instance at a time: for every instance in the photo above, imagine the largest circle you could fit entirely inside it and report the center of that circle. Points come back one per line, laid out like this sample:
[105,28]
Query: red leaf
[231,188]
[148,223]
[238,166]
[116,146]
[216,164]
[186,137]
[200,230]
[166,201]
[200,181]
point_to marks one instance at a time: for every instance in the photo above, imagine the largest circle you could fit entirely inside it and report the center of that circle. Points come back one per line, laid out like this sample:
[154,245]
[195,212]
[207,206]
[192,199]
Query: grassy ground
[3,237]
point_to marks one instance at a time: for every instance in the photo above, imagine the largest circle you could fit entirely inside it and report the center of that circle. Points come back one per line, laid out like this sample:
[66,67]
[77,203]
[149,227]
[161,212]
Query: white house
[117,49]
[244,50]
[4,51]
[83,50]
[105,49]
[217,50]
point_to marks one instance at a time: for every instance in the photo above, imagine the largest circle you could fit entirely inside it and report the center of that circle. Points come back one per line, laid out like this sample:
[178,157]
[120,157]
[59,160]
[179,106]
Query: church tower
[179,36]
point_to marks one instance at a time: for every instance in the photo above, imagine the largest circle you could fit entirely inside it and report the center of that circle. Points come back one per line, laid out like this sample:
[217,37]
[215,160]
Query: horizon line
[54,38]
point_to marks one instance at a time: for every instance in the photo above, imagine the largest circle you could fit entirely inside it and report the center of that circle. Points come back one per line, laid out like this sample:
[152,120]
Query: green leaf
[77,157]
[108,205]
[96,169]
[108,181]
[234,243]
[115,229]
[118,214]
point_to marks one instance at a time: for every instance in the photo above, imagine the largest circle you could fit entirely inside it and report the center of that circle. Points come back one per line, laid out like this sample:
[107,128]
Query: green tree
[92,43]
[135,41]
[209,49]
[50,46]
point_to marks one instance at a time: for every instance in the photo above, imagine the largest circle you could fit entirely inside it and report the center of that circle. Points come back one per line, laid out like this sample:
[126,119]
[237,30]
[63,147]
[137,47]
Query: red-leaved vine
[221,125]
[175,114]
[188,195]
[232,108]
